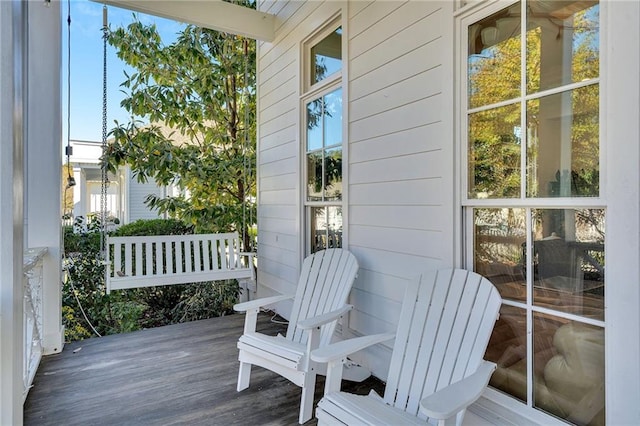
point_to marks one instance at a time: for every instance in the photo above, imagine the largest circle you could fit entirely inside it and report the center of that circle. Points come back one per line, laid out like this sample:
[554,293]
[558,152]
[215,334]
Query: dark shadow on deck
[183,374]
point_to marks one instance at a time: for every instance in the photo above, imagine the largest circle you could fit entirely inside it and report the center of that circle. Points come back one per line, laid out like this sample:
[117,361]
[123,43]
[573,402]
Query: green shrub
[129,310]
[154,227]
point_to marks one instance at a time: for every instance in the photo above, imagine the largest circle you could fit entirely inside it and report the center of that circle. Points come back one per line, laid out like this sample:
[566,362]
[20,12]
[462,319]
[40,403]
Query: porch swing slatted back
[144,261]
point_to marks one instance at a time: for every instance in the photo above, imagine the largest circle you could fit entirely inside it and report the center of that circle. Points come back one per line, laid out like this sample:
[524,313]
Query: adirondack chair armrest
[335,354]
[323,319]
[449,401]
[340,350]
[252,308]
[259,303]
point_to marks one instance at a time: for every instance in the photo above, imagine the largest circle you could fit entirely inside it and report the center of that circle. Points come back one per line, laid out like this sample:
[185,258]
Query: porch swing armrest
[249,255]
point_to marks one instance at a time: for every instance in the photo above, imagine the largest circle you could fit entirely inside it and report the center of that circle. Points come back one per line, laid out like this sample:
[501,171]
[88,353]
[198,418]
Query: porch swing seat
[145,261]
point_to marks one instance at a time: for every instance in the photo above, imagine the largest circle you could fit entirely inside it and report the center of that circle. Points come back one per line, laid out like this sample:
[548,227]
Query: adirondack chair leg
[306,403]
[244,376]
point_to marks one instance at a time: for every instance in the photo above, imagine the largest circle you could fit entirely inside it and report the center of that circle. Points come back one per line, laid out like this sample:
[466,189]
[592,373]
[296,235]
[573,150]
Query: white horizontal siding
[423,165]
[279,141]
[402,117]
[409,64]
[389,20]
[407,193]
[404,142]
[278,182]
[389,97]
[138,192]
[285,119]
[279,137]
[400,154]
[399,216]
[421,217]
[278,152]
[398,265]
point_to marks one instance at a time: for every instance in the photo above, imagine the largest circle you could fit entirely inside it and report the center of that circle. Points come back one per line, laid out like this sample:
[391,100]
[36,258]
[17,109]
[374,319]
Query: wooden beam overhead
[213,14]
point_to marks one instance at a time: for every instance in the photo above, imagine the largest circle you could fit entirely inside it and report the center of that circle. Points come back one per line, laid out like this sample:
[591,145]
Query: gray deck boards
[183,374]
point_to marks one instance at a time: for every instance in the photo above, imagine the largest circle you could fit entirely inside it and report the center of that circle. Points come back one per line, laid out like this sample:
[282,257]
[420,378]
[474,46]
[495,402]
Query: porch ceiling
[213,14]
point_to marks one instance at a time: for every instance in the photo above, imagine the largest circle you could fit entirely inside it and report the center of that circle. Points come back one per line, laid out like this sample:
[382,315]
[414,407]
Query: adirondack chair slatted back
[325,282]
[443,311]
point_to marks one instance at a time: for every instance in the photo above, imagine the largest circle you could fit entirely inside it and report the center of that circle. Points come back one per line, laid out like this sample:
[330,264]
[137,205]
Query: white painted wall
[401,193]
[136,193]
[621,133]
[126,195]
[400,197]
[401,189]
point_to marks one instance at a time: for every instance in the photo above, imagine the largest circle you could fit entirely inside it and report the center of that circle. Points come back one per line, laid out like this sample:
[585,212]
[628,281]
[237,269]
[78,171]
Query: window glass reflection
[314,125]
[324,147]
[494,153]
[333,174]
[326,56]
[333,118]
[568,369]
[314,176]
[568,261]
[499,238]
[493,64]
[563,40]
[326,228]
[563,144]
[508,349]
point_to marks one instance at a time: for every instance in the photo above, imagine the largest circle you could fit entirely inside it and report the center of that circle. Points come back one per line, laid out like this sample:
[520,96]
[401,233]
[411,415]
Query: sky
[87,67]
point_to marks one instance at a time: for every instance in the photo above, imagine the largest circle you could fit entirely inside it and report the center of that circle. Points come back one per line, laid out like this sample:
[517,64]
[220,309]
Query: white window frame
[473,11]
[310,92]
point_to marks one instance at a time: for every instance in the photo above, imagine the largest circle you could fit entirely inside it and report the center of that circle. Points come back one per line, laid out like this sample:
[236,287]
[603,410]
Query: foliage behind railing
[86,305]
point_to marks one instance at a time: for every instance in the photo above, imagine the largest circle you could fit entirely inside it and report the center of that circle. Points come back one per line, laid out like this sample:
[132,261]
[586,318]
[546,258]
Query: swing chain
[104,177]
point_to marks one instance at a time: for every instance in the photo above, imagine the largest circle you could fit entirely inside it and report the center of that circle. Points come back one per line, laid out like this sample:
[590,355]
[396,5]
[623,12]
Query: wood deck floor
[183,374]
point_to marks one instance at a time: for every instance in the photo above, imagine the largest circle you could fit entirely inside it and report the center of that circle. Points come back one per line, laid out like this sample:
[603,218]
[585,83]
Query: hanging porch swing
[144,261]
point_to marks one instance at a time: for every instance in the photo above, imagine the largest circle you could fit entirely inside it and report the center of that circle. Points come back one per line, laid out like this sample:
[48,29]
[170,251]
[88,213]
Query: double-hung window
[532,201]
[322,139]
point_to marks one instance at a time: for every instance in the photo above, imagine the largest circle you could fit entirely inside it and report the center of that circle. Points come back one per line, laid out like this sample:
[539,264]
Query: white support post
[620,112]
[44,161]
[13,21]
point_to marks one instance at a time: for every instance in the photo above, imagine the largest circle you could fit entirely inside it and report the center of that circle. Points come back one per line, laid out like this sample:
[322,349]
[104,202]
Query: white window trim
[309,92]
[495,404]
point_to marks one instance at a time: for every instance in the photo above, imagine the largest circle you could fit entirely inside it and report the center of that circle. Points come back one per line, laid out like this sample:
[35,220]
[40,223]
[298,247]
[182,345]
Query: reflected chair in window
[558,267]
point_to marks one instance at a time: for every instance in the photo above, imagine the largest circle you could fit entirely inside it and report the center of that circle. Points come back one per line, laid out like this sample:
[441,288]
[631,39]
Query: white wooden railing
[32,335]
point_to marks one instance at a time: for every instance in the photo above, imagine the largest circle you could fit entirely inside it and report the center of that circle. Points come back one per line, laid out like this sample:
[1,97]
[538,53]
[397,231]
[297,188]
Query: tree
[496,136]
[201,87]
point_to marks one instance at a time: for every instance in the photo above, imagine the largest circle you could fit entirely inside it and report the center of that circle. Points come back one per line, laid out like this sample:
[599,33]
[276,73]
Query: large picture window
[535,222]
[323,124]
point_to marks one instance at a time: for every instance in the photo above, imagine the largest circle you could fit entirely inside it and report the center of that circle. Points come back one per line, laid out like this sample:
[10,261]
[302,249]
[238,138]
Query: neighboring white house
[125,194]
[376,133]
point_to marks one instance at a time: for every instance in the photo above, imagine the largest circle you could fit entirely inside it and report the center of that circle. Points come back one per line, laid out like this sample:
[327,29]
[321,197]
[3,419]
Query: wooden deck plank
[174,375]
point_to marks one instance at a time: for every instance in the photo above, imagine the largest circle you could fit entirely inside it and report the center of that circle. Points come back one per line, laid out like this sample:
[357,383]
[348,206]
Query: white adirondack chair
[437,368]
[320,300]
